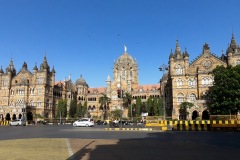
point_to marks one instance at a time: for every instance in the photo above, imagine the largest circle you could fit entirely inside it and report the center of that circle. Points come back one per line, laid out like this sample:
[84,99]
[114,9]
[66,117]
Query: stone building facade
[26,92]
[125,77]
[189,82]
[36,93]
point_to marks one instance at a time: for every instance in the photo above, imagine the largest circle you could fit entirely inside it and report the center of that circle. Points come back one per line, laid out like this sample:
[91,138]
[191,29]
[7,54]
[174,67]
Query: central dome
[125,58]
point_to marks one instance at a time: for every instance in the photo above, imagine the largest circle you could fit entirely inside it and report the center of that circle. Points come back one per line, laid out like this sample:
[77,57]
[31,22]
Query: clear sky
[86,36]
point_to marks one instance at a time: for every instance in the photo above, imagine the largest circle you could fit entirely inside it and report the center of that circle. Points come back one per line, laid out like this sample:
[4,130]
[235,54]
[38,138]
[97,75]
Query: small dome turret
[81,81]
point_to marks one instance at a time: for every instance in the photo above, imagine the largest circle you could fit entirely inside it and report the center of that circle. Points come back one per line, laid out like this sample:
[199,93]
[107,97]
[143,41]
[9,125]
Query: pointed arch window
[11,104]
[179,82]
[192,97]
[207,81]
[31,103]
[192,82]
[39,103]
[179,69]
[180,98]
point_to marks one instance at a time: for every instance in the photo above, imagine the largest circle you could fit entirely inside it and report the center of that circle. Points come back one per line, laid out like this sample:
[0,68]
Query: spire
[35,67]
[108,78]
[44,64]
[186,52]
[171,54]
[11,68]
[233,47]
[1,70]
[11,63]
[233,43]
[24,66]
[53,70]
[177,49]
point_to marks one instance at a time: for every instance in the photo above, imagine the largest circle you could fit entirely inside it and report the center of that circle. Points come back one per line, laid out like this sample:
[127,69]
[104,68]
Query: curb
[128,129]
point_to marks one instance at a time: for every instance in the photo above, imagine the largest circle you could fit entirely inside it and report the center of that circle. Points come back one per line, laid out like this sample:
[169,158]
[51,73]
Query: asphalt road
[96,143]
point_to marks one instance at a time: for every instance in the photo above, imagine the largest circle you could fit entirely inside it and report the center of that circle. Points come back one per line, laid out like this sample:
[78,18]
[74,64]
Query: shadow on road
[166,146]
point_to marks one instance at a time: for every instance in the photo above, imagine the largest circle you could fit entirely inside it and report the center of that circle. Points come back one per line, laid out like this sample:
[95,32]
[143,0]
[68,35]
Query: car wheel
[87,125]
[18,124]
[74,124]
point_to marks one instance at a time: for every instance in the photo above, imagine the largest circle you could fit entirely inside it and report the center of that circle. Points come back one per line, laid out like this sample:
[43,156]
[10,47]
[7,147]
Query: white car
[86,122]
[18,122]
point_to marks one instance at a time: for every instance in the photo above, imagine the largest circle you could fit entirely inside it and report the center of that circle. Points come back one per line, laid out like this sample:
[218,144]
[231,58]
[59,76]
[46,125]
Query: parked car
[18,122]
[85,122]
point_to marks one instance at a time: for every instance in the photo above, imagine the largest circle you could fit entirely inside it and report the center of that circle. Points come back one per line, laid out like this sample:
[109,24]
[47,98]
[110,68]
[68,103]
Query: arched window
[192,82]
[180,98]
[179,82]
[207,81]
[39,103]
[31,103]
[11,104]
[192,97]
[179,69]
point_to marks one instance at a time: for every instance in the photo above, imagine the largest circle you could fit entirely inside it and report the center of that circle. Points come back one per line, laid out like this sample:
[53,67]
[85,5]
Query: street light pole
[24,109]
[121,99]
[163,68]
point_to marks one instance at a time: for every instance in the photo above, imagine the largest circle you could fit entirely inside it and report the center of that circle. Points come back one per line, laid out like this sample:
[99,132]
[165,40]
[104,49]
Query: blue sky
[86,36]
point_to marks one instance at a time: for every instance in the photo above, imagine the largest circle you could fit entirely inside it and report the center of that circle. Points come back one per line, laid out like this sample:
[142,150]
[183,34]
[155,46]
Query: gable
[205,63]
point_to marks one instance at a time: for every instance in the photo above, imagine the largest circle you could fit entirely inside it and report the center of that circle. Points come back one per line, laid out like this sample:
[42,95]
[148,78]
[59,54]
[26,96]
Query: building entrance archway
[205,115]
[195,114]
[8,118]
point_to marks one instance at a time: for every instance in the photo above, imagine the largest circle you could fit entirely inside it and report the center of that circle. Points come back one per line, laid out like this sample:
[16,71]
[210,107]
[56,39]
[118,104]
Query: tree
[224,95]
[156,105]
[127,103]
[150,106]
[138,106]
[85,109]
[184,106]
[62,108]
[81,110]
[161,106]
[127,99]
[73,108]
[116,113]
[104,101]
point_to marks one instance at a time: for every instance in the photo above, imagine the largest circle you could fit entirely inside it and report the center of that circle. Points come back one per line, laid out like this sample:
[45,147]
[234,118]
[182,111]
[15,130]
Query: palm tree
[127,101]
[104,101]
[184,106]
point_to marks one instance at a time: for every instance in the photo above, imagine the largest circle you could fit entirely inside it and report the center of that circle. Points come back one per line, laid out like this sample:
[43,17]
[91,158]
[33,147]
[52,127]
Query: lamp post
[163,68]
[24,109]
[120,100]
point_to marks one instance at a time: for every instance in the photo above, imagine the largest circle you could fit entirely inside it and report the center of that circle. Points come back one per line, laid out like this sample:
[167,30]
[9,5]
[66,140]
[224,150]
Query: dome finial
[125,48]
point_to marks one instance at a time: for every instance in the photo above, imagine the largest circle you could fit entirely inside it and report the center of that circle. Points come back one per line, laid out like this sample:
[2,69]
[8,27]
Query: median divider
[4,123]
[128,129]
[194,125]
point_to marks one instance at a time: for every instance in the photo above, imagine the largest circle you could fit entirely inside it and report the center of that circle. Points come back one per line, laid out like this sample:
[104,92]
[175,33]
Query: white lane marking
[69,147]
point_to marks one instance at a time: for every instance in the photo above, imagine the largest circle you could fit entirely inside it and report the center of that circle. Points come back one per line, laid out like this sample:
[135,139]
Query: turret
[108,81]
[44,66]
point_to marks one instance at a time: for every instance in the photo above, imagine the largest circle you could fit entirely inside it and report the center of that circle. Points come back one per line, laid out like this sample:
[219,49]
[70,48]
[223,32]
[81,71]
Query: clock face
[118,85]
[207,64]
